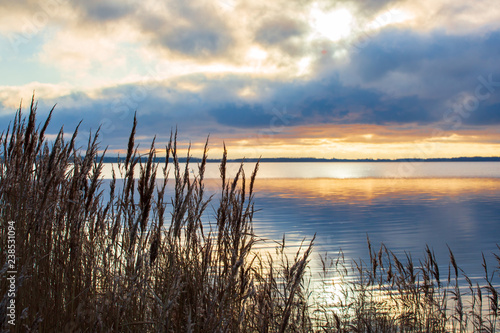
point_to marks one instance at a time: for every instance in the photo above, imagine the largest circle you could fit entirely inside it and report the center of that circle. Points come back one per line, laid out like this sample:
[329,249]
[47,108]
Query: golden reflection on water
[367,189]
[370,194]
[343,170]
[408,212]
[402,211]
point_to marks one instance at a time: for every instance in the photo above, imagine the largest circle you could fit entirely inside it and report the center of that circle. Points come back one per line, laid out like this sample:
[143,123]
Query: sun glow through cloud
[334,25]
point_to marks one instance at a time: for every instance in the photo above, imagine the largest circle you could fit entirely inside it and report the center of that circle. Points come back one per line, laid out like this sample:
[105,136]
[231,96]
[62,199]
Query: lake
[404,205]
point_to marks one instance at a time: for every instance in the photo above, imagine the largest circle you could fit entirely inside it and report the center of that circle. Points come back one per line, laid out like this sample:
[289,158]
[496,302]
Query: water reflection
[348,170]
[405,215]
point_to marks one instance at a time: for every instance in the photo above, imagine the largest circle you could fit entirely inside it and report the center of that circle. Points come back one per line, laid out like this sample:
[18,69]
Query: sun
[334,25]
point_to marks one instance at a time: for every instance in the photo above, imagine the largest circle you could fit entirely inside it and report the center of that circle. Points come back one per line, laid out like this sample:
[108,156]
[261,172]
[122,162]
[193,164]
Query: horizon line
[107,159]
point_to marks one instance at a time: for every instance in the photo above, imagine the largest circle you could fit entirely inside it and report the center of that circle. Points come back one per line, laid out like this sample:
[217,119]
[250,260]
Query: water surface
[406,206]
[349,170]
[405,215]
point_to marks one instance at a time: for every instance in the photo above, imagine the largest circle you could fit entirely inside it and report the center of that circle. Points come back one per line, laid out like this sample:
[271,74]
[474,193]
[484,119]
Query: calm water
[403,205]
[462,213]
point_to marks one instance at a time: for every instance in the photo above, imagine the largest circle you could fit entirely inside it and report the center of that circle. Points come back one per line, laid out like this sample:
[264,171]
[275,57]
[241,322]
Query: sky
[294,78]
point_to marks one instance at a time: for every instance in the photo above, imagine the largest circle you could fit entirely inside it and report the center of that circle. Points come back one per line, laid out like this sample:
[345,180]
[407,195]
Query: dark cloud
[104,10]
[278,30]
[329,101]
[243,115]
[373,5]
[392,51]
[483,114]
[285,34]
[189,28]
[318,102]
[28,6]
[194,29]
[196,41]
[426,56]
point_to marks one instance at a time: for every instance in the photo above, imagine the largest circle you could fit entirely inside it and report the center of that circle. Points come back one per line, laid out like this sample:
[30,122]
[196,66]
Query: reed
[387,294]
[87,261]
[123,257]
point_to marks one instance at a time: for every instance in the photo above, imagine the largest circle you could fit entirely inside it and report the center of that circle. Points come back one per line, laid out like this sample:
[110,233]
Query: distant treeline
[115,159]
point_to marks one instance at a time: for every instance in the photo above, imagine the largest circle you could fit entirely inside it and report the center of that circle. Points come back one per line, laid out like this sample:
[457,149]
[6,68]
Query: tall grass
[387,294]
[128,259]
[87,262]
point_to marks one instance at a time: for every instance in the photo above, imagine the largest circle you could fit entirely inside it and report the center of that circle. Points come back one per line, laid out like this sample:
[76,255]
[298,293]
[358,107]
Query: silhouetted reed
[87,262]
[390,295]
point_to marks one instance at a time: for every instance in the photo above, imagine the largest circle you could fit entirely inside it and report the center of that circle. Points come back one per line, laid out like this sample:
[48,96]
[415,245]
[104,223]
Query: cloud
[278,30]
[107,10]
[433,68]
[245,115]
[195,29]
[28,18]
[12,96]
[455,17]
[405,51]
[82,56]
[484,115]
[195,41]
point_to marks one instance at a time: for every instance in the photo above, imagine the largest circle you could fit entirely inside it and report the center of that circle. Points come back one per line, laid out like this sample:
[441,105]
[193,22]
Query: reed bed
[388,294]
[129,259]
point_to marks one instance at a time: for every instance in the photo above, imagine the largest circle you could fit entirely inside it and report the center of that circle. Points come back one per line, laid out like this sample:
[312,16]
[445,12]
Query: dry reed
[87,262]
